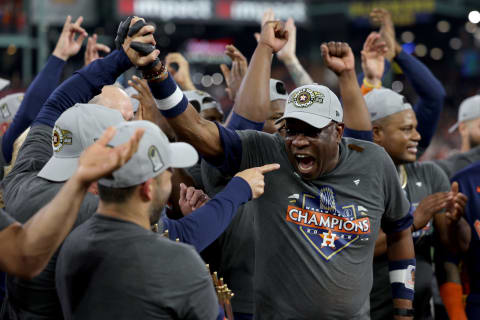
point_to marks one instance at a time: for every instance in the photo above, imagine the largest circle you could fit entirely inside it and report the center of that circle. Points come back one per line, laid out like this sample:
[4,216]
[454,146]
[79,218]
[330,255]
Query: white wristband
[171,101]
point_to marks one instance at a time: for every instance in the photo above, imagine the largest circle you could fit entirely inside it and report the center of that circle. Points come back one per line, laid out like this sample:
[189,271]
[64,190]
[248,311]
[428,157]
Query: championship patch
[155,158]
[326,227]
[60,138]
[305,97]
[5,111]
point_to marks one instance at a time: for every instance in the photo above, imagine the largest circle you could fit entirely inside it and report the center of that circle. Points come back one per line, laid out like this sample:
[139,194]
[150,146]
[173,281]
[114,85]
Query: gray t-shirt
[24,194]
[5,219]
[235,248]
[457,162]
[314,240]
[114,269]
[423,179]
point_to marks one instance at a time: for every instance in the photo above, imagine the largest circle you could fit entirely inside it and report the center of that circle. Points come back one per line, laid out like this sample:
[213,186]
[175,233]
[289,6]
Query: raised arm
[44,83]
[289,57]
[338,57]
[253,98]
[25,250]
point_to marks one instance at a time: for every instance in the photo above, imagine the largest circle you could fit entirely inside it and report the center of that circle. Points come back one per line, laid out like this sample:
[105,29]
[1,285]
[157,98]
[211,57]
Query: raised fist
[338,57]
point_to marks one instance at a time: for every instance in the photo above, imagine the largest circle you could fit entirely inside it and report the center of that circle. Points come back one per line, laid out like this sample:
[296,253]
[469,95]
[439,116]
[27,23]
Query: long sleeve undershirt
[35,96]
[204,225]
[83,85]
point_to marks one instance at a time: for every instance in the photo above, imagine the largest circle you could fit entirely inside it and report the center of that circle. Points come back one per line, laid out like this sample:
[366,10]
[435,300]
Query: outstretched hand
[456,206]
[191,199]
[338,57]
[142,36]
[288,52]
[373,56]
[182,75]
[383,19]
[92,52]
[256,179]
[67,45]
[233,77]
[147,108]
[100,160]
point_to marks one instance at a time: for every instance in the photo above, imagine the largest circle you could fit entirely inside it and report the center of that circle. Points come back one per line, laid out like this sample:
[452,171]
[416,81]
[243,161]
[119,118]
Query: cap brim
[453,128]
[59,169]
[182,155]
[310,118]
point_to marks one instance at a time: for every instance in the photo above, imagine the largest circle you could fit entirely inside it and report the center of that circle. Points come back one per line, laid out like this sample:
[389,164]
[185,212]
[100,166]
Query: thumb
[257,36]
[183,191]
[269,167]
[454,188]
[225,71]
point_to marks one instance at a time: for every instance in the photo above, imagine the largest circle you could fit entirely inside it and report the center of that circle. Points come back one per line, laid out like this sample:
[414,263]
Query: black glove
[122,32]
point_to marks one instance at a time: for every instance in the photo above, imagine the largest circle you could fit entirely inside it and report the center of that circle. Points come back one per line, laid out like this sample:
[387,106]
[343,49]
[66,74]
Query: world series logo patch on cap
[304,98]
[60,138]
[155,158]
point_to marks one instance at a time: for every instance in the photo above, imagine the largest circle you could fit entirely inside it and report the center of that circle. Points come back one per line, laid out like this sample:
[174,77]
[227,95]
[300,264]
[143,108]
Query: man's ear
[339,127]
[463,129]
[93,189]
[378,134]
[147,190]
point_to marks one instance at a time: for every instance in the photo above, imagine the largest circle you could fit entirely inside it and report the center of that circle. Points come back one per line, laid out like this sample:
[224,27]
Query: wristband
[169,98]
[402,278]
[403,312]
[369,85]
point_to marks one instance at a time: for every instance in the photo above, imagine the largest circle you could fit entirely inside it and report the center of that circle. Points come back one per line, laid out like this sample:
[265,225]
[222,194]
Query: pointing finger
[269,167]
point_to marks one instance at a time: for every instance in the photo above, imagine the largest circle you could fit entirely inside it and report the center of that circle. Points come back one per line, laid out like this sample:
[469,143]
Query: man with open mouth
[317,222]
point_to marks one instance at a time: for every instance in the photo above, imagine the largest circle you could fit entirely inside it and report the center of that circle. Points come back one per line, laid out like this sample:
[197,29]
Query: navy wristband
[402,278]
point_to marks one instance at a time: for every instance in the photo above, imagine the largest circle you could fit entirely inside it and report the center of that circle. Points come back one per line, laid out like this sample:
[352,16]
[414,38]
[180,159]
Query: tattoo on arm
[298,74]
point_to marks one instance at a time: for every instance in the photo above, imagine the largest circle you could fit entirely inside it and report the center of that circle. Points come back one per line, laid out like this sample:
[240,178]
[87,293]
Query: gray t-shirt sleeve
[258,148]
[5,219]
[193,296]
[397,215]
[439,178]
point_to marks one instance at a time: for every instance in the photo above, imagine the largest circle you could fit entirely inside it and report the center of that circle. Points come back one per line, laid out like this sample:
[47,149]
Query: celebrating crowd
[147,201]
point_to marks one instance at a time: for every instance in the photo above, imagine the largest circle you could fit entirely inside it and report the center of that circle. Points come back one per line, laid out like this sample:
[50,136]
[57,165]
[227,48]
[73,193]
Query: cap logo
[5,111]
[155,158]
[305,97]
[60,138]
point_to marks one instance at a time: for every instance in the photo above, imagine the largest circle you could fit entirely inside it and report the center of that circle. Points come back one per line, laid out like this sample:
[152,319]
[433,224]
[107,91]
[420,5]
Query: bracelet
[369,85]
[403,312]
[155,75]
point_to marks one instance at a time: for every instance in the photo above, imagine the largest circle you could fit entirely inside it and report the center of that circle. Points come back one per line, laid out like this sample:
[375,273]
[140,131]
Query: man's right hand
[373,58]
[255,178]
[382,18]
[182,75]
[273,35]
[145,36]
[234,76]
[428,207]
[92,52]
[67,45]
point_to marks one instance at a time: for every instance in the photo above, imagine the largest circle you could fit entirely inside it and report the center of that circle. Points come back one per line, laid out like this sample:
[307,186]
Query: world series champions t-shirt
[423,179]
[314,240]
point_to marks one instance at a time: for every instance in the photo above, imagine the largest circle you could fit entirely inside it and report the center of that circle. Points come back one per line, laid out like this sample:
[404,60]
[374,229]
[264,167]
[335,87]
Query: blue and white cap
[314,104]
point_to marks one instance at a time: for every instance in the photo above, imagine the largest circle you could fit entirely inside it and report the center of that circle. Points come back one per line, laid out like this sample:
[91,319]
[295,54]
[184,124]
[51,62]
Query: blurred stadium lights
[169,28]
[207,81]
[207,51]
[443,26]
[474,16]
[407,36]
[217,78]
[421,50]
[470,27]
[455,43]
[436,54]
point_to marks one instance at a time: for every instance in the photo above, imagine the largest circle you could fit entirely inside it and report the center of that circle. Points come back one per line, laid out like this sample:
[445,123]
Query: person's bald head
[115,98]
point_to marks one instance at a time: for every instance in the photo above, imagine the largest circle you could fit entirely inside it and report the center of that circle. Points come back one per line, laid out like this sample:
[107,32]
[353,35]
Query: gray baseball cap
[277,90]
[314,104]
[384,102]
[75,130]
[204,100]
[469,109]
[154,155]
[9,106]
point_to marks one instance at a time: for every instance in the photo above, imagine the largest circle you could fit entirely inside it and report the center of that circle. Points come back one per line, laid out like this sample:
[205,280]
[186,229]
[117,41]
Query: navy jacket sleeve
[83,85]
[237,122]
[37,93]
[204,225]
[358,134]
[430,92]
